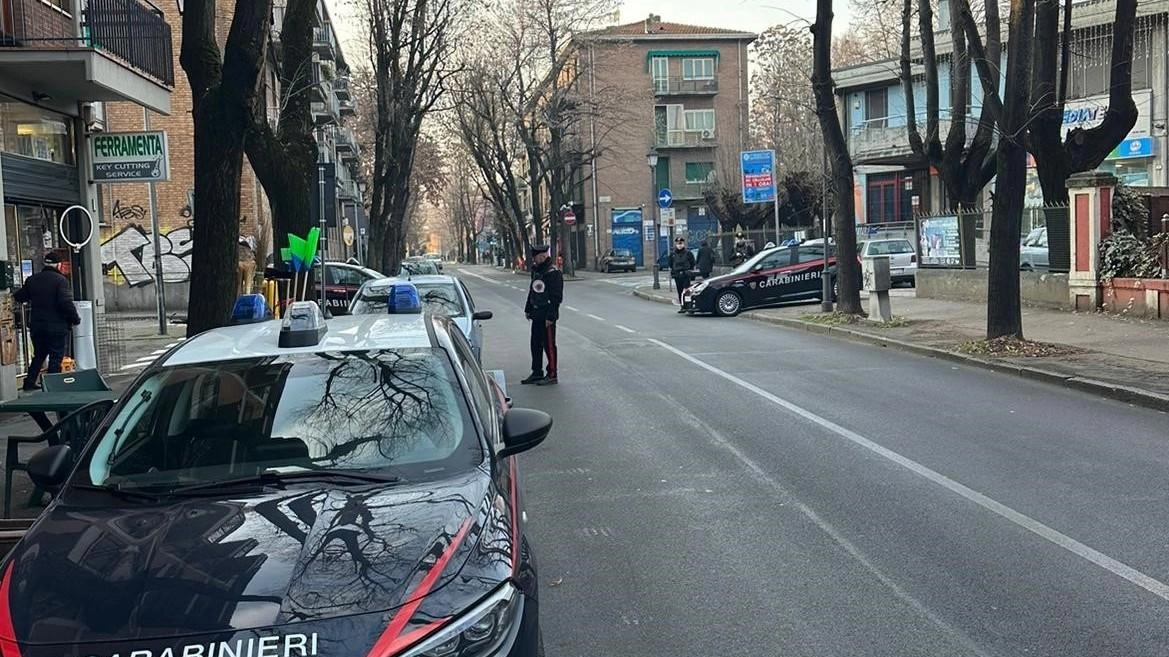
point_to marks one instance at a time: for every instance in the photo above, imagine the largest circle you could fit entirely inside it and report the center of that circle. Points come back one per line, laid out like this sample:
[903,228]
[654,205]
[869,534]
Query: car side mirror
[482,314]
[523,429]
[49,467]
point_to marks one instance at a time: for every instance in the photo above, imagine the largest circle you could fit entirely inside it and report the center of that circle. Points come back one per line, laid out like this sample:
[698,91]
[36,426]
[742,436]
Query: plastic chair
[73,430]
[80,380]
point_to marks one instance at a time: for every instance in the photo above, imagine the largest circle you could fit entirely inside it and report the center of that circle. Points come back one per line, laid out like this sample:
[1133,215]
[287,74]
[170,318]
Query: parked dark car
[618,259]
[774,276]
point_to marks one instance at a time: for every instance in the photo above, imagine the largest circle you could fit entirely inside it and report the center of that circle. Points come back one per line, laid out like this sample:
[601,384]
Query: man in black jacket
[705,260]
[681,263]
[53,312]
[543,309]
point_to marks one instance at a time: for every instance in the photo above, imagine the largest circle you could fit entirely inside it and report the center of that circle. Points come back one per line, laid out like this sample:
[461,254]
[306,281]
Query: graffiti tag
[128,213]
[130,253]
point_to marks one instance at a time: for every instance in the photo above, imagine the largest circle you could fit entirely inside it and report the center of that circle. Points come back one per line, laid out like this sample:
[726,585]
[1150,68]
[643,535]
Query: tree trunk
[224,95]
[844,222]
[1003,312]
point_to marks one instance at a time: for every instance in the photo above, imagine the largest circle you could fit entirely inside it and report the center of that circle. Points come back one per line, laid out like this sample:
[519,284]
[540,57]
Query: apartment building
[893,185]
[678,91]
[127,239]
[59,61]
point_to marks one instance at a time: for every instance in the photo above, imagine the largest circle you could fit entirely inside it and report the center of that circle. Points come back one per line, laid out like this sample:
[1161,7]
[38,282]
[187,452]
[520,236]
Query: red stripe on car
[392,640]
[8,647]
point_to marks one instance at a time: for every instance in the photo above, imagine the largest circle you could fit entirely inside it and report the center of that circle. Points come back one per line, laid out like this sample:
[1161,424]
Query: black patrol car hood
[302,565]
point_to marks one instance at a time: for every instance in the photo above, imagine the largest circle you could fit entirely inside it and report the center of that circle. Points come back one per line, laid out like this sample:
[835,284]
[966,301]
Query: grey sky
[746,15]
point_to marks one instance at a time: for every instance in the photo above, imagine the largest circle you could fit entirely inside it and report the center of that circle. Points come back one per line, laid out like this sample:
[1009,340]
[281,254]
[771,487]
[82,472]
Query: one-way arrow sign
[665,198]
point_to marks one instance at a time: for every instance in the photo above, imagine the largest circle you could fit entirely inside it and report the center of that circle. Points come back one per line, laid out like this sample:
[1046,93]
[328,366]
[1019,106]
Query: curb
[1115,391]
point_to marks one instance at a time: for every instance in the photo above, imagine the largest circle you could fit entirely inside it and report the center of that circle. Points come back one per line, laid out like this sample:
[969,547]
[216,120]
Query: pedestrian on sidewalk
[50,299]
[681,264]
[705,259]
[545,294]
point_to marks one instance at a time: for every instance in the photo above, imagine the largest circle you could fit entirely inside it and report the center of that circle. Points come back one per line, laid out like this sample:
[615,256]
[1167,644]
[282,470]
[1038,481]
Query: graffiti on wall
[129,255]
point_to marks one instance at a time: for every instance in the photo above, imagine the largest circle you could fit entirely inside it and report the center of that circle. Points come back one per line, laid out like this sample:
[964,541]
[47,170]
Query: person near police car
[545,294]
[50,299]
[681,264]
[705,260]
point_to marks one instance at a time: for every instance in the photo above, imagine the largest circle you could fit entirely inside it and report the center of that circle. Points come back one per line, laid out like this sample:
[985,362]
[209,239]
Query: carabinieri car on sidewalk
[288,488]
[774,276]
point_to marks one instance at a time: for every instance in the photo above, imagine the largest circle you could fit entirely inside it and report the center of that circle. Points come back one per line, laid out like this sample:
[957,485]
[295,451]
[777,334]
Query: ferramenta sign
[129,157]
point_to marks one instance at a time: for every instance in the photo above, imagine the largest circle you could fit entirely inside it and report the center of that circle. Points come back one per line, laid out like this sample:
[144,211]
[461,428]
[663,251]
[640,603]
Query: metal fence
[111,343]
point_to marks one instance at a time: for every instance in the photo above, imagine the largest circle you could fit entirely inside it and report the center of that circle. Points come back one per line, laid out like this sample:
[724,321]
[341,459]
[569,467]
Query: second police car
[288,488]
[770,277]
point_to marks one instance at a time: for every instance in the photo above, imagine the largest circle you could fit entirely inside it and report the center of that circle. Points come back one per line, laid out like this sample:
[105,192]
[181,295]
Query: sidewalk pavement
[1118,357]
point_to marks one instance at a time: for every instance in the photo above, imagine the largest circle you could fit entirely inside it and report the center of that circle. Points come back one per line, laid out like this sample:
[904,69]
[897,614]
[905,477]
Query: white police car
[441,295]
[288,487]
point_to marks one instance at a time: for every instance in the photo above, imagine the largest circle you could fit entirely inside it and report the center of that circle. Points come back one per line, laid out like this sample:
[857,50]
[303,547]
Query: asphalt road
[723,487]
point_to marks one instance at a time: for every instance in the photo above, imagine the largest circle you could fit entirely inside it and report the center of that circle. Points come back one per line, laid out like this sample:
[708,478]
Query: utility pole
[159,290]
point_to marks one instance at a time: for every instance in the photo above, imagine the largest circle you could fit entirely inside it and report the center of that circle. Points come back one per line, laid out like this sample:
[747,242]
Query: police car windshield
[755,259]
[399,410]
[438,298]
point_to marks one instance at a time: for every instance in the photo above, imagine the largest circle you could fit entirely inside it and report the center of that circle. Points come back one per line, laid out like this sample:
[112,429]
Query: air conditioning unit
[708,134]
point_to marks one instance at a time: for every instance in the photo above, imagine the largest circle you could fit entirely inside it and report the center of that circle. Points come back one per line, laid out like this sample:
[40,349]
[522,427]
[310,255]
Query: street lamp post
[651,159]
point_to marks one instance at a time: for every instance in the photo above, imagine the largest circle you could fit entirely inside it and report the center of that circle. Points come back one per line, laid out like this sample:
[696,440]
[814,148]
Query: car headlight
[479,632]
[697,289]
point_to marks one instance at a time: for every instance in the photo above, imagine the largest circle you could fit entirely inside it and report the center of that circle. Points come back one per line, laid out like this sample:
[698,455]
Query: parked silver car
[1033,251]
[441,295]
[902,258]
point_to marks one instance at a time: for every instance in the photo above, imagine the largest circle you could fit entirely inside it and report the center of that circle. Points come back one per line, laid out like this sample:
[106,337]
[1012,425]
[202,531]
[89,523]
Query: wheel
[728,304]
[1026,266]
[608,269]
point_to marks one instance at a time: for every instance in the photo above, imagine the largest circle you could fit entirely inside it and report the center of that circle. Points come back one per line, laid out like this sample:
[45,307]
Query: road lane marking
[1118,568]
[625,328]
[483,278]
[575,310]
[599,319]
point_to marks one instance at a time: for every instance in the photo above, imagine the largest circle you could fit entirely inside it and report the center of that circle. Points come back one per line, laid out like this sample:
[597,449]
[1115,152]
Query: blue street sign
[665,198]
[758,174]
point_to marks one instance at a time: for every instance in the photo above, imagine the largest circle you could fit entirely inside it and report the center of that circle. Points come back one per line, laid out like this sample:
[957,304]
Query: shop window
[36,133]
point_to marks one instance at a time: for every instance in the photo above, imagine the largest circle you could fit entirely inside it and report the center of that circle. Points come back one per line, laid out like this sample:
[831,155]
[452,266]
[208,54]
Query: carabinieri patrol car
[785,273]
[288,488]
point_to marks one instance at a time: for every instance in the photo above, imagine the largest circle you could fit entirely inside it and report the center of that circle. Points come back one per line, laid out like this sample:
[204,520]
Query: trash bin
[84,348]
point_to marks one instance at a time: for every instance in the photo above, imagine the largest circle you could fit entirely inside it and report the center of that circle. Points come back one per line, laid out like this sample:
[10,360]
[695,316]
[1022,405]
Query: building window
[1090,72]
[698,68]
[876,108]
[699,172]
[699,120]
[33,132]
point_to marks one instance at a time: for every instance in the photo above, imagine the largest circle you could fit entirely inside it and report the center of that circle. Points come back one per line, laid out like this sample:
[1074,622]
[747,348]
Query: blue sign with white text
[758,173]
[1136,147]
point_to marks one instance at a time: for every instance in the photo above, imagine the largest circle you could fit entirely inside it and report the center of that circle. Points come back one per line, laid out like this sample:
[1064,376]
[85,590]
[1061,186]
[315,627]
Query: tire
[728,303]
[1026,266]
[608,269]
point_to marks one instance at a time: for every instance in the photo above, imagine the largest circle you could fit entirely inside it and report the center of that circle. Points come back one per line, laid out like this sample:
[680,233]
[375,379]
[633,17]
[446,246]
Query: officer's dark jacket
[48,293]
[545,292]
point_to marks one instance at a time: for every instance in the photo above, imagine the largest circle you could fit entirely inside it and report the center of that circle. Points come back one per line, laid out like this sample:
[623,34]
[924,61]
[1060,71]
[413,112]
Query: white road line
[482,277]
[625,328]
[599,319]
[1154,586]
[146,359]
[133,365]
[575,310]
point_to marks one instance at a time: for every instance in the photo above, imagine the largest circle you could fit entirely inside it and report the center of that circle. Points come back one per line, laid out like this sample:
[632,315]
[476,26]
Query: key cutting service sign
[129,157]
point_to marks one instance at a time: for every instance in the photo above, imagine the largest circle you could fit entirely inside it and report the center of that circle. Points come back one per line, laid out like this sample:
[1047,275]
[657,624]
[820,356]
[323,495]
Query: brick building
[59,60]
[126,233]
[682,93]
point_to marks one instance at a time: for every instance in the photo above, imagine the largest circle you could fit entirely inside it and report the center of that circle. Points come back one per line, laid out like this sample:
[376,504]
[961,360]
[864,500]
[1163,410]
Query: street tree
[965,165]
[284,156]
[411,55]
[1056,156]
[839,160]
[1003,311]
[224,95]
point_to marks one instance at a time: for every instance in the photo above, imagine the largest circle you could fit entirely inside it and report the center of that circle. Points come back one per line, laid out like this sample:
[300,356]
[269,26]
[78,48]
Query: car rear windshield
[439,298]
[890,247]
[623,253]
[400,410]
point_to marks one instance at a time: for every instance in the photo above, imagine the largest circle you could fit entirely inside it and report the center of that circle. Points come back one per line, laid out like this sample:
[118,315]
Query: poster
[940,242]
[25,270]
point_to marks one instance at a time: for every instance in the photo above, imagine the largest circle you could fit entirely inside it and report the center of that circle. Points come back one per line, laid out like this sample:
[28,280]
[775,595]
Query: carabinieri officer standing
[545,294]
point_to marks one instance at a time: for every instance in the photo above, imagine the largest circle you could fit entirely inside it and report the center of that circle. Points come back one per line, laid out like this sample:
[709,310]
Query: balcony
[326,111]
[347,108]
[320,90]
[347,190]
[346,144]
[341,88]
[121,53]
[886,141]
[323,43]
[687,139]
[688,191]
[677,86]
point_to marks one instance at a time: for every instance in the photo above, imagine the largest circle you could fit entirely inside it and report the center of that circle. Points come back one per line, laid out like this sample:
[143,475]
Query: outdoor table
[39,404]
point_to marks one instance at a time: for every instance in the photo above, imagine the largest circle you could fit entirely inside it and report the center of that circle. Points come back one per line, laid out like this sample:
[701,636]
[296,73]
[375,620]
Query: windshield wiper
[278,479]
[127,493]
